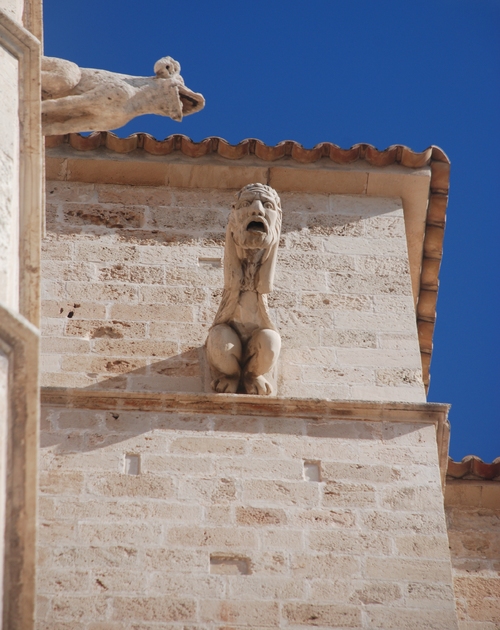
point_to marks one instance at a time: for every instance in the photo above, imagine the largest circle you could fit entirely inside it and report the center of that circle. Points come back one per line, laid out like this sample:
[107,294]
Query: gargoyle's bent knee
[263,350]
[224,350]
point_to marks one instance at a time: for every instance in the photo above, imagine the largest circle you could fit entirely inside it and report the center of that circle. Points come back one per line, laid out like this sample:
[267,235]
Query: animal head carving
[166,68]
[254,226]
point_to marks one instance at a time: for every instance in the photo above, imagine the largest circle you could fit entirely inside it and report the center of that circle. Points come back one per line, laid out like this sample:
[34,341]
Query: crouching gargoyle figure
[243,344]
[85,99]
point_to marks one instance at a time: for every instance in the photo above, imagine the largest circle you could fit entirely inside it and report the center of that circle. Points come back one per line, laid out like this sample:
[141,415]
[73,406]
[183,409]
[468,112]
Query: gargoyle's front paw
[258,385]
[226,385]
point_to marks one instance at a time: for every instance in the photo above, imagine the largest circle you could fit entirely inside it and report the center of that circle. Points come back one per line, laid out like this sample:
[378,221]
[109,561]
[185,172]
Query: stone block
[66,270]
[248,613]
[208,491]
[99,252]
[266,588]
[282,539]
[135,347]
[281,493]
[324,564]
[402,522]
[210,445]
[322,518]
[394,619]
[338,494]
[117,533]
[260,516]
[58,191]
[379,474]
[100,293]
[145,485]
[174,464]
[61,309]
[52,482]
[217,538]
[414,570]
[110,216]
[420,546]
[247,467]
[325,615]
[415,499]
[158,609]
[63,581]
[336,302]
[349,542]
[203,586]
[219,514]
[152,313]
[167,559]
[56,532]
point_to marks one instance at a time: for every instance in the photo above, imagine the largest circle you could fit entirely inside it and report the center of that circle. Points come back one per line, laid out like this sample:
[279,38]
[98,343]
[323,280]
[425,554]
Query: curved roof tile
[472,467]
[398,153]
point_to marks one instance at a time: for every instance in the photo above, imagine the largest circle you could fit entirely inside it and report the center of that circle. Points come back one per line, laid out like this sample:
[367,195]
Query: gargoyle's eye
[269,204]
[244,204]
[167,67]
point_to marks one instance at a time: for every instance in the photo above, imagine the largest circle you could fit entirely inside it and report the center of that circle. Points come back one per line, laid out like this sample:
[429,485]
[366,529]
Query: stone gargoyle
[85,99]
[243,344]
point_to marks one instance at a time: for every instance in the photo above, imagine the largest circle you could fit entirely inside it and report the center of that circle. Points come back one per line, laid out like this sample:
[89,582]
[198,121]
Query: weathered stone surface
[121,254]
[222,522]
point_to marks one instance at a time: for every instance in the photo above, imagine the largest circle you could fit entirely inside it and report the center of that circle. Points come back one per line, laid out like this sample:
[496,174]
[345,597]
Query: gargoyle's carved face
[256,218]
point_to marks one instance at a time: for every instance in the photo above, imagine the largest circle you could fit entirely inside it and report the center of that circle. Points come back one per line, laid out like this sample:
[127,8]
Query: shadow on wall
[132,279]
[177,216]
[185,372]
[66,431]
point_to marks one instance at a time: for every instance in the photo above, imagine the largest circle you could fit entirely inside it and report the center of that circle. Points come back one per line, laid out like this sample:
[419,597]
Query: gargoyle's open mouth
[191,101]
[256,226]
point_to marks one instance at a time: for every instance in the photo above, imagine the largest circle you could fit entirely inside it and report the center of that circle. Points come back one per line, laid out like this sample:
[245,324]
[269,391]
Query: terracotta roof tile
[472,467]
[396,154]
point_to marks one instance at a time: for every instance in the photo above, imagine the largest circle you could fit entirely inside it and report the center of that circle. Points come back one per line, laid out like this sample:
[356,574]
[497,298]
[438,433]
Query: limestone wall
[132,279]
[473,514]
[209,513]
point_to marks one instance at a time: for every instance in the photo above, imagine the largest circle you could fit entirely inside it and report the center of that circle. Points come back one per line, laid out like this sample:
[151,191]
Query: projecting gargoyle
[243,344]
[85,99]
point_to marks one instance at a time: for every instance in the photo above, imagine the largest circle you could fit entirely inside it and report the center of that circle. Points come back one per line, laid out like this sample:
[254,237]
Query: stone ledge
[319,410]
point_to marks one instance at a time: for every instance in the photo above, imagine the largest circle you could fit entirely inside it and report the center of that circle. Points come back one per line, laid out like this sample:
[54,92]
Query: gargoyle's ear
[232,264]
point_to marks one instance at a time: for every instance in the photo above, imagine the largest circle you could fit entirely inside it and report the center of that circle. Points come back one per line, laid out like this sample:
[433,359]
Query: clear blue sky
[413,73]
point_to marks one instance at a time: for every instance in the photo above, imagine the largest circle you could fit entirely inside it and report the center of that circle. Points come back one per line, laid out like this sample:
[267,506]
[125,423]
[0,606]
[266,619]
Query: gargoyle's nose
[258,208]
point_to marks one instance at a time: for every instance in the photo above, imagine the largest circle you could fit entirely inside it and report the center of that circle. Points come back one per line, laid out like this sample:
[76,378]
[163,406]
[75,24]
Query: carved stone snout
[243,343]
